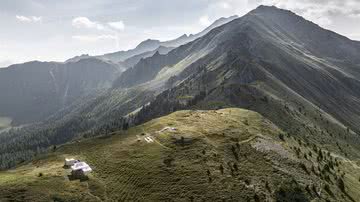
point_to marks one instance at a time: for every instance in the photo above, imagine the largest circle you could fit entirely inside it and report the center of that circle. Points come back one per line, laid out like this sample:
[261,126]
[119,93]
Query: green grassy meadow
[224,155]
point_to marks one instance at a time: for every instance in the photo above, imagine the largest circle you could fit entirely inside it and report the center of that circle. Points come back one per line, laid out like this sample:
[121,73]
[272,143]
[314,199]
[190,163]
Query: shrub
[40,174]
[313,169]
[221,169]
[256,198]
[233,149]
[327,189]
[267,186]
[314,189]
[246,122]
[303,166]
[341,185]
[281,137]
[236,167]
[290,191]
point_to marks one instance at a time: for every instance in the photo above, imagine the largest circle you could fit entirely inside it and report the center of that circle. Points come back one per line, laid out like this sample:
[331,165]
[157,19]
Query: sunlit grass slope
[230,154]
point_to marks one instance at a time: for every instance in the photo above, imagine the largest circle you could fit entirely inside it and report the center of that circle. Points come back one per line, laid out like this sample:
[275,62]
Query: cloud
[84,22]
[204,20]
[5,63]
[355,14]
[94,38]
[22,18]
[321,11]
[225,5]
[117,25]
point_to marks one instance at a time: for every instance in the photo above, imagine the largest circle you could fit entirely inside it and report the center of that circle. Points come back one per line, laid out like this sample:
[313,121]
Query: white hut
[70,162]
[80,169]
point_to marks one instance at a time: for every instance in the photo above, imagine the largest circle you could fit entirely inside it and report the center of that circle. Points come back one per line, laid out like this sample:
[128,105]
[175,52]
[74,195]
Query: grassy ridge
[229,154]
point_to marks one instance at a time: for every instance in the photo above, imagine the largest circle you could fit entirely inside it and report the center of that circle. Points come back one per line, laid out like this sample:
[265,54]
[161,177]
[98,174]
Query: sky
[56,30]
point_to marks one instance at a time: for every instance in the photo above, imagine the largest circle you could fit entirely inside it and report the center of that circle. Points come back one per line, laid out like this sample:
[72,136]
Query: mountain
[229,154]
[132,61]
[145,46]
[33,91]
[271,47]
[298,76]
[151,45]
[188,38]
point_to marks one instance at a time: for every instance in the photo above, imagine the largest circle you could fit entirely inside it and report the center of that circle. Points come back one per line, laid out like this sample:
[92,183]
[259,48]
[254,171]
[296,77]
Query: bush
[290,191]
[236,155]
[341,185]
[221,169]
[303,166]
[40,174]
[327,189]
[256,198]
[267,186]
[281,137]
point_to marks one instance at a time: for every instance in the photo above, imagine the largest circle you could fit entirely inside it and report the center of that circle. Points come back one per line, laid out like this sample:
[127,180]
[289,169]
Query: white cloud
[224,5]
[22,18]
[321,11]
[84,22]
[204,20]
[117,25]
[94,38]
[5,63]
[355,14]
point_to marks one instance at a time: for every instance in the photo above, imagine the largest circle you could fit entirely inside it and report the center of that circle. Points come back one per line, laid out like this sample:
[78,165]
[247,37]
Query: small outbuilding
[80,169]
[70,162]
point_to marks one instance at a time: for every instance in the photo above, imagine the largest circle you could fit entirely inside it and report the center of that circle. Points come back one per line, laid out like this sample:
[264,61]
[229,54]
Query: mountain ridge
[34,90]
[152,44]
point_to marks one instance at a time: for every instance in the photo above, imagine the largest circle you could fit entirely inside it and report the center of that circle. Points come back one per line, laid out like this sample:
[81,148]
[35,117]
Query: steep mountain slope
[261,47]
[270,61]
[230,154]
[132,61]
[32,91]
[151,45]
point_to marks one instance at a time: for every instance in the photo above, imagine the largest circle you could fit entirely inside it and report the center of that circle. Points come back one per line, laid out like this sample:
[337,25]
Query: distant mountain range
[33,91]
[150,44]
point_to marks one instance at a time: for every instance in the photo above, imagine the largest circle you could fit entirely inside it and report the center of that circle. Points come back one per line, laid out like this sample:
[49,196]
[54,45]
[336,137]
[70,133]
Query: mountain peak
[272,10]
[149,43]
[267,7]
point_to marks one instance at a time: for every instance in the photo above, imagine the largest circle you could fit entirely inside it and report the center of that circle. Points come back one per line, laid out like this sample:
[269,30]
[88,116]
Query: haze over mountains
[301,77]
[150,44]
[35,90]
